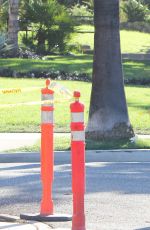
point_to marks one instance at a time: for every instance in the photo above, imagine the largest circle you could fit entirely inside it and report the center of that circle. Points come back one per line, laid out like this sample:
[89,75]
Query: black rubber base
[50,218]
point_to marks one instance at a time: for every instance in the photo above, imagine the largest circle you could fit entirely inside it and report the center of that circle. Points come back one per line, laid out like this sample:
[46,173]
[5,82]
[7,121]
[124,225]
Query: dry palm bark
[108,116]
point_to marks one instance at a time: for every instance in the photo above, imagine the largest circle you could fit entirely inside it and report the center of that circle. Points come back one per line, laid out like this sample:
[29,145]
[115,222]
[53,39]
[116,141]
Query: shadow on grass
[72,57]
[147,50]
[64,63]
[136,69]
[139,106]
[80,63]
[117,144]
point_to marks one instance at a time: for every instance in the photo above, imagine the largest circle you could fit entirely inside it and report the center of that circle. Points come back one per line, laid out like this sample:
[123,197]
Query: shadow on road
[21,183]
[143,228]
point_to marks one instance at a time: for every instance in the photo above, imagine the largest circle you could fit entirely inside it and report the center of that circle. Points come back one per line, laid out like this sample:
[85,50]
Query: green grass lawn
[27,118]
[131,41]
[81,64]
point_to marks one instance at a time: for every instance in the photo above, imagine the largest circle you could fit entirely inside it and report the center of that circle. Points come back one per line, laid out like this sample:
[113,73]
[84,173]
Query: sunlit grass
[27,118]
[131,41]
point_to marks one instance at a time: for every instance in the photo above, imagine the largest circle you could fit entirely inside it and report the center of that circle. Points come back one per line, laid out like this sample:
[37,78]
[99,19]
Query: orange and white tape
[45,102]
[61,89]
[54,85]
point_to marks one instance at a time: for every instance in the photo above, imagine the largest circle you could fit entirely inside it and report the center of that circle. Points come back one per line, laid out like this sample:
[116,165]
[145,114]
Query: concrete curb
[27,226]
[13,222]
[63,157]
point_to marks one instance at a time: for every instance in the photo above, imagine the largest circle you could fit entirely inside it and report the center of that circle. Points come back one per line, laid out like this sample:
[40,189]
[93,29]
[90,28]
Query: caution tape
[54,85]
[32,103]
[18,90]
[61,89]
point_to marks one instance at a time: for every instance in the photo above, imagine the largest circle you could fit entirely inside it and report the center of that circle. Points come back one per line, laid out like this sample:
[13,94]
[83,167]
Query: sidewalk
[8,222]
[28,226]
[9,141]
[14,223]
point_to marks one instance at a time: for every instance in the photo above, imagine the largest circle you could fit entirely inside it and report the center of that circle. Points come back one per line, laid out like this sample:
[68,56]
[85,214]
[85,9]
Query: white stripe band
[77,117]
[48,97]
[47,117]
[78,135]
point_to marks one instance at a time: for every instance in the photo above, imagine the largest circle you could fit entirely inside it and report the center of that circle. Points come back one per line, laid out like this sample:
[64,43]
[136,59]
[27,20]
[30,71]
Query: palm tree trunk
[13,26]
[108,116]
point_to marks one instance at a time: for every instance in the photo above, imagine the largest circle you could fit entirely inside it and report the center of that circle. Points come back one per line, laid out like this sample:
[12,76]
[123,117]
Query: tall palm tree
[108,116]
[13,26]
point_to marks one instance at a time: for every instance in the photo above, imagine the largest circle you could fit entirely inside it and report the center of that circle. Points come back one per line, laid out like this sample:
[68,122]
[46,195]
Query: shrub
[51,24]
[3,15]
[147,2]
[135,10]
[123,16]
[80,10]
[89,3]
[81,14]
[4,46]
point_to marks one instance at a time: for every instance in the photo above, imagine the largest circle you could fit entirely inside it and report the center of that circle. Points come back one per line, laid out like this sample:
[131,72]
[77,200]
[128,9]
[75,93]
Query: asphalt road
[117,192]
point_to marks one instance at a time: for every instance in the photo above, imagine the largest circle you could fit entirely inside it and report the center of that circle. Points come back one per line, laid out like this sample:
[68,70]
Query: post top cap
[76,94]
[48,82]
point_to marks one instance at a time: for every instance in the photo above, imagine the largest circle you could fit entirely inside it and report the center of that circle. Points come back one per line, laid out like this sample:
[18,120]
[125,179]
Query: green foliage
[80,10]
[135,10]
[89,3]
[147,2]
[66,2]
[123,16]
[2,43]
[51,23]
[82,14]
[4,46]
[3,15]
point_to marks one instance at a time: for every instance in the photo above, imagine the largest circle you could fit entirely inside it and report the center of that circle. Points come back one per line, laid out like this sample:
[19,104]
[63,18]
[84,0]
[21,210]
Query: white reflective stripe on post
[48,97]
[77,117]
[47,117]
[78,135]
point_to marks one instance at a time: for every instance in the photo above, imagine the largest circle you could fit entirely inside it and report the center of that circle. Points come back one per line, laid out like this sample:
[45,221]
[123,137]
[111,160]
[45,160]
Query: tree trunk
[108,116]
[13,26]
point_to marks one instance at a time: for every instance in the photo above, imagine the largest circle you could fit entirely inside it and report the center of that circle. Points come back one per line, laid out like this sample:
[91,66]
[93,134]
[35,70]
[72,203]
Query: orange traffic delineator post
[47,153]
[78,162]
[47,162]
